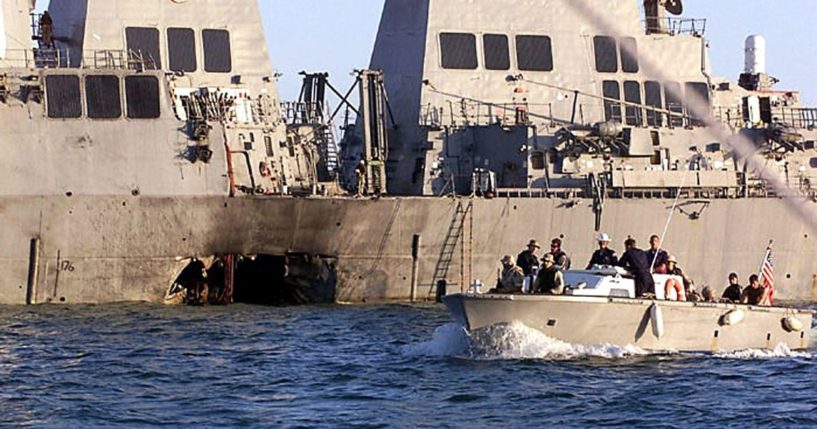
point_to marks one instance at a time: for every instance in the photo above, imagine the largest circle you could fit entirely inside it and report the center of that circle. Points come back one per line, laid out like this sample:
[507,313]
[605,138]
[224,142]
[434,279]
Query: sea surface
[399,366]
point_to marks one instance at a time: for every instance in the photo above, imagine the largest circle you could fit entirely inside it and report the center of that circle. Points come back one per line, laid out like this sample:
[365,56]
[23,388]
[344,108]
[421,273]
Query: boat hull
[685,326]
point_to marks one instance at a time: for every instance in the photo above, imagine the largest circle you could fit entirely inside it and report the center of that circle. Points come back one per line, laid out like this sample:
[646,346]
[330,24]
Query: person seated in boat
[512,278]
[604,256]
[559,255]
[636,260]
[527,260]
[754,294]
[708,294]
[550,280]
[733,291]
[683,288]
[658,257]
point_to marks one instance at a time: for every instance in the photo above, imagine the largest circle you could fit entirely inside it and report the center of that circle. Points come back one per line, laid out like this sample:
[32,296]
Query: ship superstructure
[146,151]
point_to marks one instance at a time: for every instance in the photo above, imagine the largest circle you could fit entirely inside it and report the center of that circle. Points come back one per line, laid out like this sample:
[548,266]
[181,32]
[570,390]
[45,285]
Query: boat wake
[512,342]
[519,342]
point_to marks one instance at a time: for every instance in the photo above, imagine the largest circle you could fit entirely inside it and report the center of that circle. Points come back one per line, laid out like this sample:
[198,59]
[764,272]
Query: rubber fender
[792,324]
[732,318]
[657,321]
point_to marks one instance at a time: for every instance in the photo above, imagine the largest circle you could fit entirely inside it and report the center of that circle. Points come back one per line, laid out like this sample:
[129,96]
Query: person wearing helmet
[604,256]
[511,279]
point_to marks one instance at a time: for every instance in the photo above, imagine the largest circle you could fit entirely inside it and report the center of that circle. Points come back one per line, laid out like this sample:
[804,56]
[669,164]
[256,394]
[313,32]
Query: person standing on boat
[559,255]
[604,256]
[658,257]
[754,294]
[527,260]
[637,261]
[550,280]
[733,291]
[512,277]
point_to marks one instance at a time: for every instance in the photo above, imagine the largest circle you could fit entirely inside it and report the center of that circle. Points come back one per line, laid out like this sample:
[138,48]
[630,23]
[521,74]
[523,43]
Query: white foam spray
[780,351]
[512,342]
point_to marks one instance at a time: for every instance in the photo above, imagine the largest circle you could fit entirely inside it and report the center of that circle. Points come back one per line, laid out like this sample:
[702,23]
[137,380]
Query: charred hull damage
[293,279]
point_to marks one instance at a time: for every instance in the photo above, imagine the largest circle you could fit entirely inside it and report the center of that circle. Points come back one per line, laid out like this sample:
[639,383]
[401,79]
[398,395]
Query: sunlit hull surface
[676,326]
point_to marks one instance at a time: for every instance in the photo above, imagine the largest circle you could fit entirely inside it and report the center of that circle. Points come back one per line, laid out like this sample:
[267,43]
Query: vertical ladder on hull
[455,234]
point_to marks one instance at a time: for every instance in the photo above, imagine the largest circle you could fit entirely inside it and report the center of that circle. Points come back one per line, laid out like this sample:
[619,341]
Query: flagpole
[763,261]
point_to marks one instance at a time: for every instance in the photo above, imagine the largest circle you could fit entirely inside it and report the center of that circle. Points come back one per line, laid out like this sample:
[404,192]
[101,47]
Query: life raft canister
[680,294]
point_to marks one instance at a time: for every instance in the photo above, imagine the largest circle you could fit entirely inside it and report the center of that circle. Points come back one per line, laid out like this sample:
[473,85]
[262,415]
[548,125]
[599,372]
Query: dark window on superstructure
[632,95]
[142,95]
[675,105]
[459,51]
[218,56]
[181,49]
[534,53]
[629,55]
[102,97]
[63,96]
[697,96]
[143,44]
[606,54]
[497,54]
[612,105]
[653,98]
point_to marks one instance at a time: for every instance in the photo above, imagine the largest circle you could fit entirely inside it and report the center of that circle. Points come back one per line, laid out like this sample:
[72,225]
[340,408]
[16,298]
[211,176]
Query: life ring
[680,295]
[263,167]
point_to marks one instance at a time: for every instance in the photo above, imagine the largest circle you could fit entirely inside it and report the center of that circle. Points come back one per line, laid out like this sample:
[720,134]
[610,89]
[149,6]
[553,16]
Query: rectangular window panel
[653,98]
[632,94]
[629,55]
[181,49]
[697,95]
[675,104]
[218,56]
[63,96]
[102,97]
[606,54]
[497,54]
[534,53]
[612,107]
[459,51]
[142,94]
[143,43]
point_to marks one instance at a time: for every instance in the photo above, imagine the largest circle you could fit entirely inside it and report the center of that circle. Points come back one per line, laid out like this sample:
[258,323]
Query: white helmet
[604,238]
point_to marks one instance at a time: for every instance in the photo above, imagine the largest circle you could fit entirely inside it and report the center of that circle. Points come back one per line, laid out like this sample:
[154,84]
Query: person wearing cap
[512,278]
[527,260]
[559,255]
[550,280]
[604,256]
[636,260]
[733,291]
[674,270]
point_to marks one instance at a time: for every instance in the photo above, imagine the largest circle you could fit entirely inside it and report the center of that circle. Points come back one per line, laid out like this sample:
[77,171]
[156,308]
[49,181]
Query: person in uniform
[708,294]
[658,257]
[604,256]
[559,255]
[512,278]
[754,294]
[733,291]
[527,260]
[360,174]
[550,280]
[636,260]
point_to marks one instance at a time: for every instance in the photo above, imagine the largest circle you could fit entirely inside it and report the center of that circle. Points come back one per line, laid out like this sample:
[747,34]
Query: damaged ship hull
[110,249]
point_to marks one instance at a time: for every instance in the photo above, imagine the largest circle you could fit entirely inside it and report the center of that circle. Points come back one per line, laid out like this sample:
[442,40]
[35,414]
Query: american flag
[767,273]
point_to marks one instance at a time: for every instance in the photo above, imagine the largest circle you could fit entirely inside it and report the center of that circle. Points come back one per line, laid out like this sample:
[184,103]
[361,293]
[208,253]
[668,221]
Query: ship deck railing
[59,58]
[676,26]
[803,118]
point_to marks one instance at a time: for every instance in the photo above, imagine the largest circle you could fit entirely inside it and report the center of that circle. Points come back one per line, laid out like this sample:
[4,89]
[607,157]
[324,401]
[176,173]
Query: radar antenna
[675,7]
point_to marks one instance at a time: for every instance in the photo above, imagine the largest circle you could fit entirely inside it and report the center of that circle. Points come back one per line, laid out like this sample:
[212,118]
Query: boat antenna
[669,218]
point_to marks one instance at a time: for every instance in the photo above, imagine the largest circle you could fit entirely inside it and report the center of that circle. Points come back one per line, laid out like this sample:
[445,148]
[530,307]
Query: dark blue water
[391,366]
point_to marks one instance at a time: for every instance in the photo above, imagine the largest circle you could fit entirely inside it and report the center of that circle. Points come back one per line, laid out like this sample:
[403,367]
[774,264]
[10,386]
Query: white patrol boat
[599,307]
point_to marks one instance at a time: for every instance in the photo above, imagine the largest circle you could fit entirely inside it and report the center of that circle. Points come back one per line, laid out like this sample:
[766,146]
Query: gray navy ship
[148,155]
